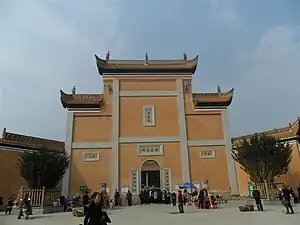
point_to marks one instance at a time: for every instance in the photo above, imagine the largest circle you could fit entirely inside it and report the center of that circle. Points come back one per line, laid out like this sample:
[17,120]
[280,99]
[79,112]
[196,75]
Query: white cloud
[47,46]
[224,12]
[268,87]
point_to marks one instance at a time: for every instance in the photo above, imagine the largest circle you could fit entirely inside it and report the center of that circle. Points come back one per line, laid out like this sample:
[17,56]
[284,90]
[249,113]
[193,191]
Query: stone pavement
[228,214]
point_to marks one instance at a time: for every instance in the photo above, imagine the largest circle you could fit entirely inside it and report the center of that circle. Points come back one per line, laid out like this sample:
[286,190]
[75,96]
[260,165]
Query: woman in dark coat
[95,215]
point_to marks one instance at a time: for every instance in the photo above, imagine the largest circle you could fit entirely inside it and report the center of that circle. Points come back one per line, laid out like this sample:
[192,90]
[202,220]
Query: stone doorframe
[140,170]
[165,176]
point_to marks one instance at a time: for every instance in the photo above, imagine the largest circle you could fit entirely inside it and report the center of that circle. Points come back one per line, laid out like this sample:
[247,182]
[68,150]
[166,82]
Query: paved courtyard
[163,215]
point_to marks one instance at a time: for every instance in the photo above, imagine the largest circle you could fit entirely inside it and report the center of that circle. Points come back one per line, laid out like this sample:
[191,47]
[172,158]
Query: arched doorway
[150,174]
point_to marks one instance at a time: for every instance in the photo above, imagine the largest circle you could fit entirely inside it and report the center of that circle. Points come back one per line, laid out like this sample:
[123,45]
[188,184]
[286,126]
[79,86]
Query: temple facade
[289,134]
[148,128]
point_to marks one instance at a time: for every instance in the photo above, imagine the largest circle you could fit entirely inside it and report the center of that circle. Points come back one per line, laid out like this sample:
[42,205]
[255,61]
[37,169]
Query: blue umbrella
[187,185]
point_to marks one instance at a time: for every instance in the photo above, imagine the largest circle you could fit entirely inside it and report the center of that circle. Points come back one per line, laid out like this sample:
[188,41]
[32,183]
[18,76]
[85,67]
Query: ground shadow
[42,216]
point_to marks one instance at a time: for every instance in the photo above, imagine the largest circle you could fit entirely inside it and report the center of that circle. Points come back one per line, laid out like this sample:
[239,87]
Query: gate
[269,191]
[39,197]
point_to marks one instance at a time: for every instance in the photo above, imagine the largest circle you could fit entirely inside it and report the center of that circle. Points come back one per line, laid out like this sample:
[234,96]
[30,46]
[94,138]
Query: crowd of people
[95,206]
[202,199]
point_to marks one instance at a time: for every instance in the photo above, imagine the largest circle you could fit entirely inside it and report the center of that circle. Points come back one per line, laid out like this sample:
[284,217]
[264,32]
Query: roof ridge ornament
[184,56]
[219,90]
[107,57]
[74,90]
[3,133]
[146,58]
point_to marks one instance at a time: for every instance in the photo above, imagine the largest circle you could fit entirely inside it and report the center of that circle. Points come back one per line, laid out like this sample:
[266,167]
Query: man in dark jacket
[173,197]
[129,198]
[85,203]
[257,198]
[201,199]
[95,215]
[286,196]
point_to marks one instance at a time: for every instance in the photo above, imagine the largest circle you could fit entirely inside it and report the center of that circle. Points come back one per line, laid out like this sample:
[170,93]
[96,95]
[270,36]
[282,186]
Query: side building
[289,134]
[11,145]
[148,128]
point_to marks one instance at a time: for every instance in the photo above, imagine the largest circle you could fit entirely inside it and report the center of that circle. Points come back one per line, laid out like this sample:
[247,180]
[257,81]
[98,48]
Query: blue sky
[45,46]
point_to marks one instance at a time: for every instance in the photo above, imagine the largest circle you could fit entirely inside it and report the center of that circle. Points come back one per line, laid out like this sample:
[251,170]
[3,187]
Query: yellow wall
[214,170]
[91,174]
[92,127]
[130,160]
[131,117]
[11,181]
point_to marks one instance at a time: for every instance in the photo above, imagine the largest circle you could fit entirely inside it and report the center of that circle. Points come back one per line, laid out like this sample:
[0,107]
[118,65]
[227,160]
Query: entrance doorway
[150,174]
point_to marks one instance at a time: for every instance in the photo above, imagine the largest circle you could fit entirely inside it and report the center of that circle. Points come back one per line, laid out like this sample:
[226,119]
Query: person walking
[286,197]
[257,198]
[95,214]
[10,204]
[180,202]
[173,197]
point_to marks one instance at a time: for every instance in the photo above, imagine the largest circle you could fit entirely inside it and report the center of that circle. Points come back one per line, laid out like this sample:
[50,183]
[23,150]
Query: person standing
[129,198]
[173,197]
[168,197]
[85,203]
[257,198]
[286,197]
[180,202]
[10,204]
[201,199]
[117,198]
[185,196]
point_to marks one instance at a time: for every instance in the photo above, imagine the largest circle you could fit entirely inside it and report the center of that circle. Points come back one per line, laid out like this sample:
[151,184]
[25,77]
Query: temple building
[289,134]
[11,145]
[149,129]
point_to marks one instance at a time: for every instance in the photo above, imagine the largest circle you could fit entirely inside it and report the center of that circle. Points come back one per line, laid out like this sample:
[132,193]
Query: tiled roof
[292,131]
[81,100]
[18,140]
[213,99]
[146,66]
[96,100]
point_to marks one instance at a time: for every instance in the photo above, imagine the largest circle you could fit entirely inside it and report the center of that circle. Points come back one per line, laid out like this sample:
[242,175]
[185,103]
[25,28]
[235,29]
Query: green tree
[43,168]
[263,156]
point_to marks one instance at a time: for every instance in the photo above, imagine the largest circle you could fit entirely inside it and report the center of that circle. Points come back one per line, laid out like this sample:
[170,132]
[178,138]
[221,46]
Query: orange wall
[154,85]
[242,179]
[214,170]
[11,181]
[204,127]
[89,173]
[130,160]
[293,176]
[92,128]
[131,117]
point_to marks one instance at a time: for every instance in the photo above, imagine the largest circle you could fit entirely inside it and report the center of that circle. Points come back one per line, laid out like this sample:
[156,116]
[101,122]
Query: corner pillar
[185,164]
[68,148]
[115,183]
[230,162]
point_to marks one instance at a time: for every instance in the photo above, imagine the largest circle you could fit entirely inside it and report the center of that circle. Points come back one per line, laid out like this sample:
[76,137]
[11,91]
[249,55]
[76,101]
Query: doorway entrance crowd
[150,174]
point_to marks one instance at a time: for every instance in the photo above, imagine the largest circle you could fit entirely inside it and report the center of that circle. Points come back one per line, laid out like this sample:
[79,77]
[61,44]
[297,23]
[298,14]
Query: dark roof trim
[139,67]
